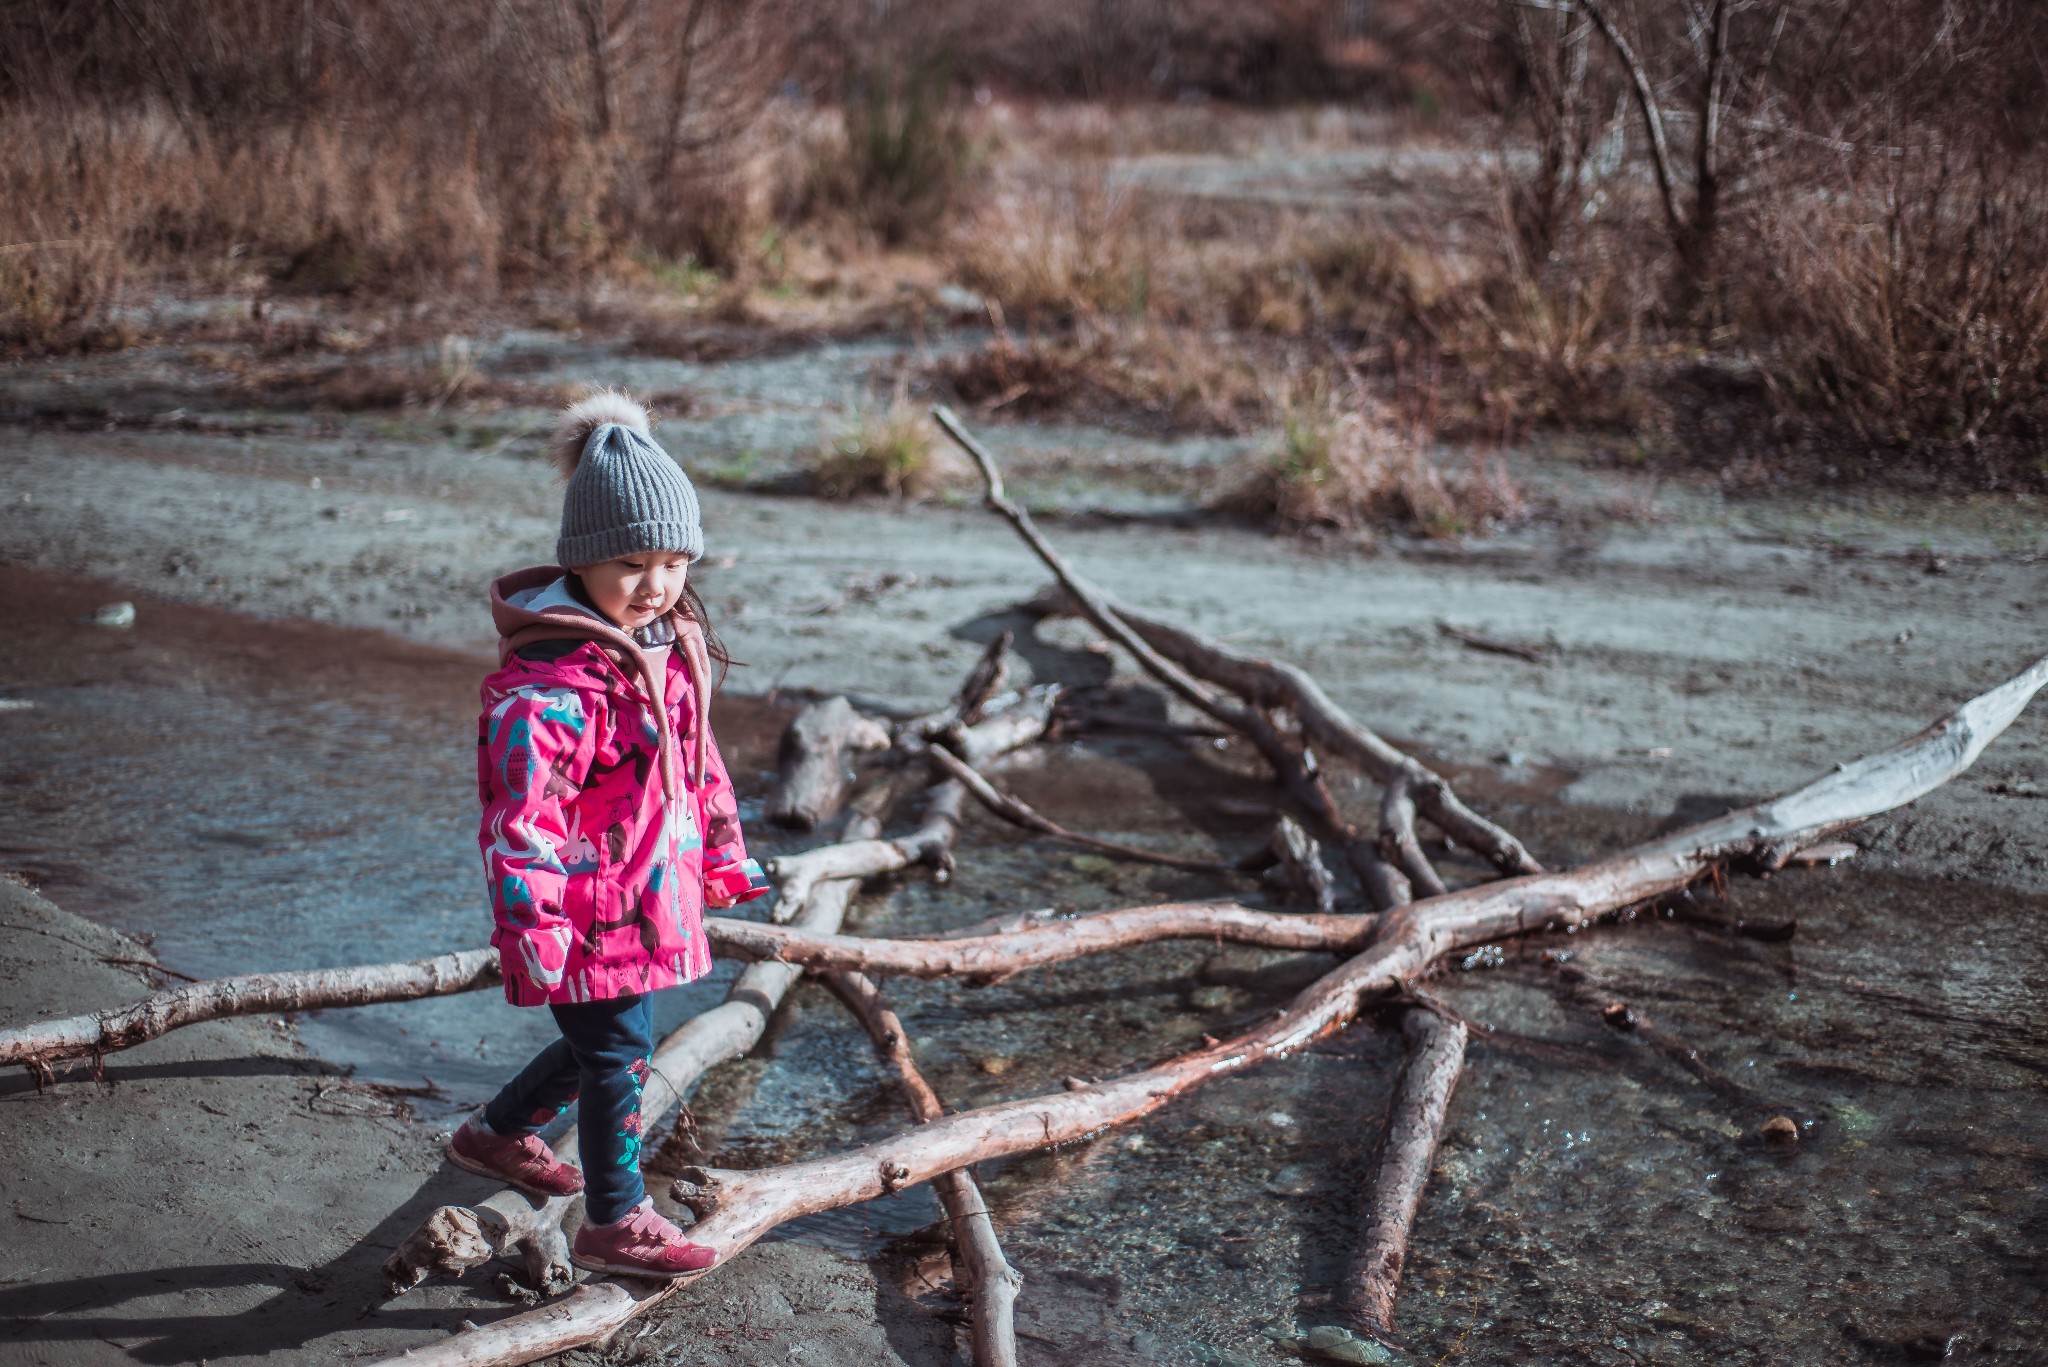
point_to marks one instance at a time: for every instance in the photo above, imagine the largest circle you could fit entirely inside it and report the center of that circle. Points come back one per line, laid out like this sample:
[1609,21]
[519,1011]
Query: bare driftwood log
[251,994]
[1019,813]
[984,1275]
[737,1208]
[991,957]
[932,842]
[1415,1121]
[814,766]
[1326,724]
[1269,684]
[1306,873]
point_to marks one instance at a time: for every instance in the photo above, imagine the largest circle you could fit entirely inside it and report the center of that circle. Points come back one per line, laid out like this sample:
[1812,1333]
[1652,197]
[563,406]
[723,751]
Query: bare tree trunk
[990,1282]
[1415,1121]
[251,994]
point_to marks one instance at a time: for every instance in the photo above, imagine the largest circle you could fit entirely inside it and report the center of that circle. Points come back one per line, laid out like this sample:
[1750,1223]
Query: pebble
[118,616]
[1781,1132]
[1293,1180]
[1210,998]
[1207,1356]
[1334,1344]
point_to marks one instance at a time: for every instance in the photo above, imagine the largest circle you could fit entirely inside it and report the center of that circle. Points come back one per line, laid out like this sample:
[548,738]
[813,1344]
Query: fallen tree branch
[1296,852]
[999,955]
[1019,813]
[1297,771]
[984,1275]
[1472,640]
[251,994]
[1092,604]
[737,1208]
[1415,1121]
[1398,845]
[932,842]
[814,765]
[1326,724]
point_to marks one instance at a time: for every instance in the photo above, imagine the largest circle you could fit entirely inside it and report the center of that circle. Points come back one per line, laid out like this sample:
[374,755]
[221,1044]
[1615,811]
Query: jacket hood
[537,605]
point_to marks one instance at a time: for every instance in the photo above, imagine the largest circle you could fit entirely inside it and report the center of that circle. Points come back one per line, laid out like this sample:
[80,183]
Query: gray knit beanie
[625,494]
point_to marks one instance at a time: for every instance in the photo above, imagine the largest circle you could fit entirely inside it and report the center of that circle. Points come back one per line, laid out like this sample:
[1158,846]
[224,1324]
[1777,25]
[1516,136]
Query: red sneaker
[644,1244]
[524,1161]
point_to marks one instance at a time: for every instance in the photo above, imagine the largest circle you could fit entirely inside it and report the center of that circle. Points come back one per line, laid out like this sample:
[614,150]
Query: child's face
[636,589]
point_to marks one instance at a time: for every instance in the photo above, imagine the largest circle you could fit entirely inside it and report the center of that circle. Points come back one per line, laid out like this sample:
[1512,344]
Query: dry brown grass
[1140,375]
[888,452]
[1351,466]
[1906,302]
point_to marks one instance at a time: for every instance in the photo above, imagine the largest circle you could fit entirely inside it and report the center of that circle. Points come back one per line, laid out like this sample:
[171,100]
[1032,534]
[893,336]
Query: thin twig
[1472,640]
[1017,812]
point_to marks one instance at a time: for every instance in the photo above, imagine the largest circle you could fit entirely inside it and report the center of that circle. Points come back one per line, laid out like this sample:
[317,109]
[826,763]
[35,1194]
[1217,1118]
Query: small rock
[1618,1015]
[118,616]
[1090,863]
[961,303]
[1781,1132]
[1210,998]
[1293,1180]
[995,1066]
[1334,1344]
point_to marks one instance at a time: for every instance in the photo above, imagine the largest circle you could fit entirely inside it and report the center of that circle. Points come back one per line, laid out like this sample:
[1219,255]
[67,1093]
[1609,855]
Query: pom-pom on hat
[625,493]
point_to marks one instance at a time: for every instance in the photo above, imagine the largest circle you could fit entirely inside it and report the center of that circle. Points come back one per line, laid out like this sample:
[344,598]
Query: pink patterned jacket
[601,847]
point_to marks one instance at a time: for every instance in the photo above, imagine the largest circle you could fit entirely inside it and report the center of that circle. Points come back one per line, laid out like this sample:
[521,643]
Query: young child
[609,824]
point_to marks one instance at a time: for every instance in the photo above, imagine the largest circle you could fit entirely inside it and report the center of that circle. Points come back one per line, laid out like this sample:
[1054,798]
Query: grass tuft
[887,452]
[1348,468]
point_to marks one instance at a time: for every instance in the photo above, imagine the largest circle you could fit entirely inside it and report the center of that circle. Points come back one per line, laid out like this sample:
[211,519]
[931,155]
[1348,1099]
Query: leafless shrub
[1129,373]
[1906,301]
[375,147]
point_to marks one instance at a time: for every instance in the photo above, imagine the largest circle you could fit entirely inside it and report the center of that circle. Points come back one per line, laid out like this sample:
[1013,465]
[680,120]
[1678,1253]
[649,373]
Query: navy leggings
[601,1058]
